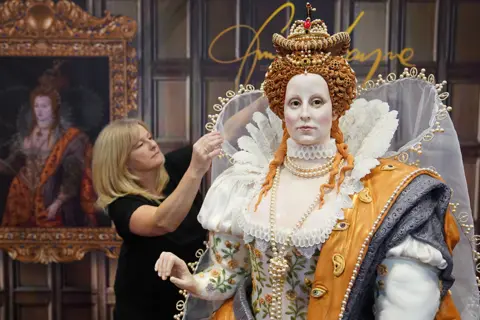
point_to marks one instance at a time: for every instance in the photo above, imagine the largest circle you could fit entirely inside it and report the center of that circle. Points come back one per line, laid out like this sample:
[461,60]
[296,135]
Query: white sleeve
[226,198]
[230,263]
[407,284]
[232,190]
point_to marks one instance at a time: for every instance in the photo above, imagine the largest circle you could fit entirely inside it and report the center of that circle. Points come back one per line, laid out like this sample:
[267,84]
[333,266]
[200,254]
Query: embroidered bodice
[297,286]
[235,259]
[293,197]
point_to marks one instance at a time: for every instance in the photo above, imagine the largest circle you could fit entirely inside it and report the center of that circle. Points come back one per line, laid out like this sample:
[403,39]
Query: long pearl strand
[278,264]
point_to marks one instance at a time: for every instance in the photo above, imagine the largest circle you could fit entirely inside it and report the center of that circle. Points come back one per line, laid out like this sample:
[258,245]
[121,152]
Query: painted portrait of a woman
[50,160]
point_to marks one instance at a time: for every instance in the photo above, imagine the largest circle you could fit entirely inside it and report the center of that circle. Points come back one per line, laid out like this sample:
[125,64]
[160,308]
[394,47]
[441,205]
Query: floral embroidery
[382,270]
[231,265]
[265,304]
[297,304]
[221,281]
[309,274]
[259,277]
[297,284]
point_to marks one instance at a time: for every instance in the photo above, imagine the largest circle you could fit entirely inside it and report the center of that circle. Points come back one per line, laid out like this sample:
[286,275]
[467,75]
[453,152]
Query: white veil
[425,137]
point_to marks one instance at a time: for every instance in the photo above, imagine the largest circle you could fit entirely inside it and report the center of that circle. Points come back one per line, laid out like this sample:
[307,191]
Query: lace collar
[311,152]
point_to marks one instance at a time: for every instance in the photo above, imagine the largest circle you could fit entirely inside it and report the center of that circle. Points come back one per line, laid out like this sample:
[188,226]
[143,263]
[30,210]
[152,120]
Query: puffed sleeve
[408,282]
[229,264]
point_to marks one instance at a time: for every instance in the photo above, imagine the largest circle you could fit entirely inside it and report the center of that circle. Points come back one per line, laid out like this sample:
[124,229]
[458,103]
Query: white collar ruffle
[311,152]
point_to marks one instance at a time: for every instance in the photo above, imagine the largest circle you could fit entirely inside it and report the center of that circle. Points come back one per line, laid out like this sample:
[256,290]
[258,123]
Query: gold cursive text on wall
[253,50]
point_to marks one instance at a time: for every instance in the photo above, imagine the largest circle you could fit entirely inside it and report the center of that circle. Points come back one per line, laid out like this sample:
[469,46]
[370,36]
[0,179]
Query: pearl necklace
[308,172]
[278,264]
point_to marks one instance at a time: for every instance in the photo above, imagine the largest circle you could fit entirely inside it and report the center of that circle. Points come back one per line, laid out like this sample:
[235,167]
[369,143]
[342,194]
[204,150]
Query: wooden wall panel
[29,312]
[81,290]
[28,275]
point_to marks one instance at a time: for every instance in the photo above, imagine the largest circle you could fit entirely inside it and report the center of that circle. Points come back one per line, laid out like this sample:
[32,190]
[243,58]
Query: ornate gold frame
[44,28]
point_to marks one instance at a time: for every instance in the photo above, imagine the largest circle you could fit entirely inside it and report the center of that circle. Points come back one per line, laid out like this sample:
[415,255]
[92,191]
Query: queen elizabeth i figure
[324,211]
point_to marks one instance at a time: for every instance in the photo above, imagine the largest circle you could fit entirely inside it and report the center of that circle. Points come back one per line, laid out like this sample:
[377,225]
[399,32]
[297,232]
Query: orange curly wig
[341,83]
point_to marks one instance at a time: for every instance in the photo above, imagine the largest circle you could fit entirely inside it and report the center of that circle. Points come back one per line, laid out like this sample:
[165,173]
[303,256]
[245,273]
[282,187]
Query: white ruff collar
[311,152]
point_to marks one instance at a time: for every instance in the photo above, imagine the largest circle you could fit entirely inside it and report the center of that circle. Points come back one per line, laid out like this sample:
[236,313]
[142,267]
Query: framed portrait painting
[64,75]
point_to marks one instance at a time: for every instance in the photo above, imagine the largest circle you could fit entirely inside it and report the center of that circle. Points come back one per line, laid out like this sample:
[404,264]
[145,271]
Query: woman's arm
[242,118]
[155,221]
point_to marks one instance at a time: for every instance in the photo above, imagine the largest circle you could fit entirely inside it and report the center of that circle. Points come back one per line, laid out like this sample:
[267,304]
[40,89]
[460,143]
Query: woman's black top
[140,293]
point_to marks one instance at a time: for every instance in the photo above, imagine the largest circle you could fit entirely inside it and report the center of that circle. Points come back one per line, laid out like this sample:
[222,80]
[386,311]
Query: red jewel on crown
[307,24]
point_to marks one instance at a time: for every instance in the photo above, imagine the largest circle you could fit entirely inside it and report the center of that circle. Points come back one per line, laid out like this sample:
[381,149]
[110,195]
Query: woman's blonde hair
[111,177]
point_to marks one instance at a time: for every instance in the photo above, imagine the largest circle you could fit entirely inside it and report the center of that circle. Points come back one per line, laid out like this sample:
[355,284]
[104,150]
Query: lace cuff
[230,264]
[406,289]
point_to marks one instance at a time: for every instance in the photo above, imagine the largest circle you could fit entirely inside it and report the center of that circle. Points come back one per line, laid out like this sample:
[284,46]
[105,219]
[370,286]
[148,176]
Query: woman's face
[42,106]
[308,109]
[146,154]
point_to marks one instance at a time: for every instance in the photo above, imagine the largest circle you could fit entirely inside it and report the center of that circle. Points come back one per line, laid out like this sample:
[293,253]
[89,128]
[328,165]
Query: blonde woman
[153,201]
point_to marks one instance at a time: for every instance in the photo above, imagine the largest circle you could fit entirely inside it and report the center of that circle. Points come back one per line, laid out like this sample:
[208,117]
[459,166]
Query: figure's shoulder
[393,172]
[391,165]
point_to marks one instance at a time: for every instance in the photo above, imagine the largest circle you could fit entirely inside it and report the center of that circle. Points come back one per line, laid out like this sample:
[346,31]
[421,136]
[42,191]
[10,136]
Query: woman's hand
[169,265]
[204,150]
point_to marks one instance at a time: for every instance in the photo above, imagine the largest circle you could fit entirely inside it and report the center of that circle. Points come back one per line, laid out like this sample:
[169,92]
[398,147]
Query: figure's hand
[53,209]
[169,265]
[204,150]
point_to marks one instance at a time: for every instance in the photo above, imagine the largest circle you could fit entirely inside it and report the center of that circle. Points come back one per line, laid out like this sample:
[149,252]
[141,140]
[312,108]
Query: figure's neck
[311,155]
[45,124]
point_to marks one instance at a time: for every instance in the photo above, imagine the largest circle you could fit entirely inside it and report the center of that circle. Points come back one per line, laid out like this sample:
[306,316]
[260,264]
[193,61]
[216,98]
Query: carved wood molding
[43,28]
[64,19]
[58,245]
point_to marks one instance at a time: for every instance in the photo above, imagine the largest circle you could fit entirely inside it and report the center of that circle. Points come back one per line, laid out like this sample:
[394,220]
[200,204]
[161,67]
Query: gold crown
[309,37]
[308,29]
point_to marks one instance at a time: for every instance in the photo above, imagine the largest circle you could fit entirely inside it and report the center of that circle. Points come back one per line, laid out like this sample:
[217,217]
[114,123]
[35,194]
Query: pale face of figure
[146,154]
[308,109]
[42,107]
